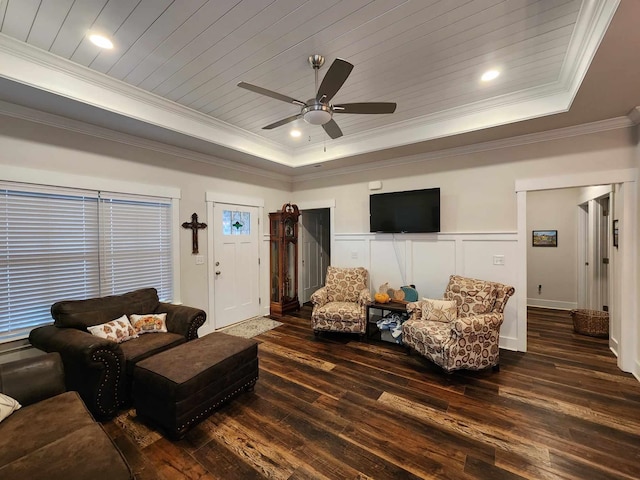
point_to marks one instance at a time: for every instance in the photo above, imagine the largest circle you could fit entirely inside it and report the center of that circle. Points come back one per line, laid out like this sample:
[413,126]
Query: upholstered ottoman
[179,387]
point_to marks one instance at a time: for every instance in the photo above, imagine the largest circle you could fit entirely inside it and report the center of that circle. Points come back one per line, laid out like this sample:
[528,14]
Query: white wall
[44,148]
[637,322]
[479,211]
[477,189]
[553,268]
[478,198]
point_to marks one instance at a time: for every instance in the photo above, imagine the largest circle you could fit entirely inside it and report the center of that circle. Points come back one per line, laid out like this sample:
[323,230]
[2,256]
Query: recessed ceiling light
[490,75]
[99,40]
[295,133]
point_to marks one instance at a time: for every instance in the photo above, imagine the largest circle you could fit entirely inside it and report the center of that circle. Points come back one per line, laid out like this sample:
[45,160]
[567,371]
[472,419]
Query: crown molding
[556,97]
[592,23]
[519,106]
[550,135]
[634,115]
[39,69]
[49,119]
[31,66]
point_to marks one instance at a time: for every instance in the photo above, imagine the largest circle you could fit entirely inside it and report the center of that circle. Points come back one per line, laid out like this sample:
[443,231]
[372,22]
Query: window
[135,250]
[58,243]
[236,223]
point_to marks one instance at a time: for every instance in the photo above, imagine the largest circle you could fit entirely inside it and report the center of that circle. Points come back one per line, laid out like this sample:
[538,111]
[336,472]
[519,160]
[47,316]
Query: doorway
[572,271]
[594,248]
[315,250]
[622,271]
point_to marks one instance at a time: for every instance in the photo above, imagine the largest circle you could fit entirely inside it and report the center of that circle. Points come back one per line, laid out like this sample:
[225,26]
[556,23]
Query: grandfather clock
[283,231]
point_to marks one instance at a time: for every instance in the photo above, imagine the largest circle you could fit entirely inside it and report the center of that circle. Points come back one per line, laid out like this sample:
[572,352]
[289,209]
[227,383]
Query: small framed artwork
[545,238]
[615,233]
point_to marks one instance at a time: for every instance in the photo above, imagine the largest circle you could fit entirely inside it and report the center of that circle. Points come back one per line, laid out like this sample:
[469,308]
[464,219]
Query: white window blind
[60,244]
[48,251]
[135,248]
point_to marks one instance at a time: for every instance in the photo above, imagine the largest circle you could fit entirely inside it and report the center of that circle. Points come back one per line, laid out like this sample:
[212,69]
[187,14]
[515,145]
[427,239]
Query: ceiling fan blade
[334,79]
[332,129]
[366,107]
[270,93]
[284,121]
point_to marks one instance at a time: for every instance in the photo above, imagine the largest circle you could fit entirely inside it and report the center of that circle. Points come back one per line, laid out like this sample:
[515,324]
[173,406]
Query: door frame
[583,254]
[329,203]
[628,314]
[212,198]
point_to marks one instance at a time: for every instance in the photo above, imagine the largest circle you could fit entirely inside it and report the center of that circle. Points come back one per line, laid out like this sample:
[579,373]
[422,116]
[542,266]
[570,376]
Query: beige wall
[637,366]
[555,268]
[477,189]
[34,146]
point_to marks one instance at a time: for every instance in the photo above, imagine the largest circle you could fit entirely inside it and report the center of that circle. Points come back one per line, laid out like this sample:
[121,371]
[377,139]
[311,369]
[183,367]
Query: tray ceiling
[175,65]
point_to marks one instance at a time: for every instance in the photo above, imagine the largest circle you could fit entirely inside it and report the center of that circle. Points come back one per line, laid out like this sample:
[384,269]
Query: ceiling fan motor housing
[316,113]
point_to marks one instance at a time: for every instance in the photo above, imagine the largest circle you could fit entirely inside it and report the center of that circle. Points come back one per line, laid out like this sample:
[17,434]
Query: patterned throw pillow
[8,405]
[149,323]
[439,310]
[118,330]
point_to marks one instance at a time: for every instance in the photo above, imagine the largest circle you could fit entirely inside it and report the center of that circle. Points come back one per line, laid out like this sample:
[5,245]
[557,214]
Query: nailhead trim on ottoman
[181,386]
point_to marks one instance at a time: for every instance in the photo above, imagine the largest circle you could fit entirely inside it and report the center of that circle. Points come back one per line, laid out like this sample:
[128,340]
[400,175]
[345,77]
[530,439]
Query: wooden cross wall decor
[194,225]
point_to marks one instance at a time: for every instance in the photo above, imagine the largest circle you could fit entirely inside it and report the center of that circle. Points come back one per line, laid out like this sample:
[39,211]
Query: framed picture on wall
[545,238]
[615,233]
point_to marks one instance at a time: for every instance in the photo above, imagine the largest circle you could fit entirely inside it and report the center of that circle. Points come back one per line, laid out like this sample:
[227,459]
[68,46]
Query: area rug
[251,327]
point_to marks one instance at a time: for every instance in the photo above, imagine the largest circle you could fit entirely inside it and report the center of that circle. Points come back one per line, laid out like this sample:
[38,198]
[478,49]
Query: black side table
[372,330]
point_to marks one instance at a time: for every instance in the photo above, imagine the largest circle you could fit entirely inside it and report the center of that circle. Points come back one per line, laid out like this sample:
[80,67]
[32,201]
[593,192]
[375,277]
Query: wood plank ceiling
[426,55]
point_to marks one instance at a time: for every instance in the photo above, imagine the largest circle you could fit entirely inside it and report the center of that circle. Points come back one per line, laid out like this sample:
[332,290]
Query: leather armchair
[100,370]
[340,306]
[472,340]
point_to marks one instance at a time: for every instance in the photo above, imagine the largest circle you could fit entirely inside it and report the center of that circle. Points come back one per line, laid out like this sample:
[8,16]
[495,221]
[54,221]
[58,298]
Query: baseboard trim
[554,304]
[636,370]
[508,343]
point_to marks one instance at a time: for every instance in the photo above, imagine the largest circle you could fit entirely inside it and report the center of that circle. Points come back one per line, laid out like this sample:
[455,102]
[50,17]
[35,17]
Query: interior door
[314,257]
[604,254]
[236,264]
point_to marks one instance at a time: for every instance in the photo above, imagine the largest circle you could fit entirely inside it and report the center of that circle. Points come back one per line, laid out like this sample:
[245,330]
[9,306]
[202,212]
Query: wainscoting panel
[427,261]
[434,261]
[388,262]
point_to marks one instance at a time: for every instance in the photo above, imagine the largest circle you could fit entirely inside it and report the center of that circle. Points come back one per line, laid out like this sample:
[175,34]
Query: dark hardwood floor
[332,407]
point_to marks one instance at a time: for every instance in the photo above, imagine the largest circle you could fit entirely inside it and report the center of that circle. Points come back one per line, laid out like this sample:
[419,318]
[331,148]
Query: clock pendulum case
[283,255]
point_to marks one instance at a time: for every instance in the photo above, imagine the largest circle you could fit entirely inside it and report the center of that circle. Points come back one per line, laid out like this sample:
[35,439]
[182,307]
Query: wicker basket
[594,323]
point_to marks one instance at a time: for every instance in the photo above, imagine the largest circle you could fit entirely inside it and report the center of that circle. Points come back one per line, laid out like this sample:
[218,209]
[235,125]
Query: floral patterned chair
[340,306]
[460,335]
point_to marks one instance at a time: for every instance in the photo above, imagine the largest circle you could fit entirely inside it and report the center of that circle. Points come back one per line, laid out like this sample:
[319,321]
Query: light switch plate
[199,260]
[498,259]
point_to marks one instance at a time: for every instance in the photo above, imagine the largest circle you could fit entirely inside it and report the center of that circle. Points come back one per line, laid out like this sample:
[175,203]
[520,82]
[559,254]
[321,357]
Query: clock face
[288,228]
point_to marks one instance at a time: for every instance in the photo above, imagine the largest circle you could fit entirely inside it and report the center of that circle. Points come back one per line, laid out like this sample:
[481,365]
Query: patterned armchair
[340,306]
[469,341]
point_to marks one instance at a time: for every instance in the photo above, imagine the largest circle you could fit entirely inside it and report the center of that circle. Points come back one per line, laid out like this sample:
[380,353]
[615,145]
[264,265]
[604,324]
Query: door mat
[251,327]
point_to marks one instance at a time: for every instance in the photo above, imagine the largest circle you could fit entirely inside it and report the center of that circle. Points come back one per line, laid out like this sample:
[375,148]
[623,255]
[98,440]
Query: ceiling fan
[319,110]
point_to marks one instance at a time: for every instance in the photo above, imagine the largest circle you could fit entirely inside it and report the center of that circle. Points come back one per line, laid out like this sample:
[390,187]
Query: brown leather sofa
[53,435]
[102,370]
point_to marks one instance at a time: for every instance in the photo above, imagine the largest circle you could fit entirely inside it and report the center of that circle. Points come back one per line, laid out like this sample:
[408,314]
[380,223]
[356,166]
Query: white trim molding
[27,65]
[627,254]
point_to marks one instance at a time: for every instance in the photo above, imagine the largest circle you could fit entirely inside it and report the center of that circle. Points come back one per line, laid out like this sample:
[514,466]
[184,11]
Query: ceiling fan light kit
[317,114]
[319,110]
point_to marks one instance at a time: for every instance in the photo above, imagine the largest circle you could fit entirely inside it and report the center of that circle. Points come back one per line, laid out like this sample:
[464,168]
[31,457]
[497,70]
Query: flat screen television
[413,211]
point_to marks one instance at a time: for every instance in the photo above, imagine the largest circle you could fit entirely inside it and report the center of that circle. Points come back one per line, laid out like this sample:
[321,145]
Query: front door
[236,263]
